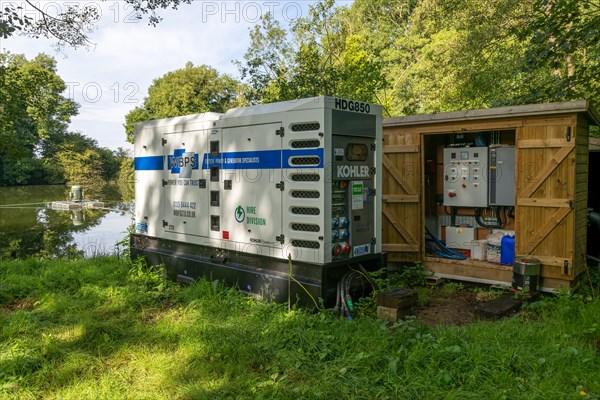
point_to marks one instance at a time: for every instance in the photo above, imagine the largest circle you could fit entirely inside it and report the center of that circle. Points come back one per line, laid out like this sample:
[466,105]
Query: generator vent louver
[305,177]
[303,144]
[307,244]
[305,126]
[312,160]
[305,227]
[305,194]
[305,211]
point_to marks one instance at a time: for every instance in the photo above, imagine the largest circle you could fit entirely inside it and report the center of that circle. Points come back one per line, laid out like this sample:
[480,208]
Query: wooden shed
[548,216]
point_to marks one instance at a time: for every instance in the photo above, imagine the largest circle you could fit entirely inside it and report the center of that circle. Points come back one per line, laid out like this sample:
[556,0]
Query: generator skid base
[262,277]
[234,196]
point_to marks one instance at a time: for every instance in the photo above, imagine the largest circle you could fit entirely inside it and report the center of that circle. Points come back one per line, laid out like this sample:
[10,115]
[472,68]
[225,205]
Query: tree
[81,168]
[458,56]
[67,158]
[188,90]
[562,39]
[72,24]
[326,55]
[32,110]
[266,61]
[31,102]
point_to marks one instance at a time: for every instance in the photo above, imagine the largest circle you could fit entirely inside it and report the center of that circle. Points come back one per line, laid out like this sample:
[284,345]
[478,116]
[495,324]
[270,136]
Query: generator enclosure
[247,195]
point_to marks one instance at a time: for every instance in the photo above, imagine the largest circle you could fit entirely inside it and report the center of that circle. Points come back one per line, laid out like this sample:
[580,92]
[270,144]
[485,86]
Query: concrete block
[393,314]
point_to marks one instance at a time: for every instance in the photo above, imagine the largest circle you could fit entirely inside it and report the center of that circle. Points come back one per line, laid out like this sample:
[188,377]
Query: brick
[393,314]
[397,298]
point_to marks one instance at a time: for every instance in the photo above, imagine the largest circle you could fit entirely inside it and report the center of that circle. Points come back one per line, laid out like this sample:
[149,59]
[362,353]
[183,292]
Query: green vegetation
[189,90]
[412,57]
[35,144]
[107,328]
[430,56]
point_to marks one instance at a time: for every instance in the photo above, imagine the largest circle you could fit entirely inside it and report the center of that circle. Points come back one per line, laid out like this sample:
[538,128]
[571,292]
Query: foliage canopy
[188,90]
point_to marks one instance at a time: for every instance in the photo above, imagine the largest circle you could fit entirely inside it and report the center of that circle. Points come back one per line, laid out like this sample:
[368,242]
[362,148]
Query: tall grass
[108,329]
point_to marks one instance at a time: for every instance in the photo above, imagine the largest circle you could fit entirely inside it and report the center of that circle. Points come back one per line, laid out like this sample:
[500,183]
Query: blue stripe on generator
[261,159]
[258,159]
[151,163]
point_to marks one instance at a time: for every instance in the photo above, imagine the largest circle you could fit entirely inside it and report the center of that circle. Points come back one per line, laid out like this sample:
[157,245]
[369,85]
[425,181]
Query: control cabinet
[502,176]
[465,177]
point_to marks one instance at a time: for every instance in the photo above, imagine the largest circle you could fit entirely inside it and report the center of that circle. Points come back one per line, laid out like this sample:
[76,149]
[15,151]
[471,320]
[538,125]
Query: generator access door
[184,184]
[251,192]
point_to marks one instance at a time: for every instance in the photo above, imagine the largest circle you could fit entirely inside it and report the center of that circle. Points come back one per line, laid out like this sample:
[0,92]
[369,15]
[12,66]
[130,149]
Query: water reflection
[28,227]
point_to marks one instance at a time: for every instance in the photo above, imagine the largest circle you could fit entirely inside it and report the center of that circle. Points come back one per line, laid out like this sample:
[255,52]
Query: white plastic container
[478,250]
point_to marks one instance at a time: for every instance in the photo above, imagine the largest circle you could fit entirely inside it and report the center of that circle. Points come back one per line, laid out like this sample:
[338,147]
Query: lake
[28,227]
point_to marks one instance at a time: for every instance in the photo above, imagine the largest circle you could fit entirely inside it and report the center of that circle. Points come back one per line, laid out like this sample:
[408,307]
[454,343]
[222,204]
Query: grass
[108,329]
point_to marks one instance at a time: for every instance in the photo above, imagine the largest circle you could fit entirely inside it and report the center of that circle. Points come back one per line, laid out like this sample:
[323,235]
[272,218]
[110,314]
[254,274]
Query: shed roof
[578,106]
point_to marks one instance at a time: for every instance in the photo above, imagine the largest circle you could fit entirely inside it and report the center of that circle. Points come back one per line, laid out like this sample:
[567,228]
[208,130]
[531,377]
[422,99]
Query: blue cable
[445,251]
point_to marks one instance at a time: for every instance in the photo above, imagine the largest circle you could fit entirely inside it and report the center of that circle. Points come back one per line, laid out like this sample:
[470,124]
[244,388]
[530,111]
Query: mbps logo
[353,171]
[182,163]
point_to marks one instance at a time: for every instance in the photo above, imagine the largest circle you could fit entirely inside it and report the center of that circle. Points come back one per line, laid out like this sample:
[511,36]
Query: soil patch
[449,309]
[19,305]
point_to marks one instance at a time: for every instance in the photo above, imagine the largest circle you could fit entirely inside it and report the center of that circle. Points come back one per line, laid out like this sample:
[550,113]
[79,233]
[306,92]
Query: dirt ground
[453,308]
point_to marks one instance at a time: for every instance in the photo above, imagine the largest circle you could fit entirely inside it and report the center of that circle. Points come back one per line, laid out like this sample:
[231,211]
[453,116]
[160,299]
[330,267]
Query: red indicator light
[225,234]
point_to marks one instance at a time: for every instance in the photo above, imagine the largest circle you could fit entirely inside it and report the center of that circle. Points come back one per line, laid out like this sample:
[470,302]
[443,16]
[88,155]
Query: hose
[343,302]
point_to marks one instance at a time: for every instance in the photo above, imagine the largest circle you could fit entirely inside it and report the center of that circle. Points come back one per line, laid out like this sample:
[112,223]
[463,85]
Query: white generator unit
[235,196]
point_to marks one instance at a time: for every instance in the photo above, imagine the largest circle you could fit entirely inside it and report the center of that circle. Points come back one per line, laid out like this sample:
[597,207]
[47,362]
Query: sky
[113,77]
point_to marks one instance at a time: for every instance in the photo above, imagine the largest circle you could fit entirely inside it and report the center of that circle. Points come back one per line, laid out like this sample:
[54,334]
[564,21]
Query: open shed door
[545,191]
[400,202]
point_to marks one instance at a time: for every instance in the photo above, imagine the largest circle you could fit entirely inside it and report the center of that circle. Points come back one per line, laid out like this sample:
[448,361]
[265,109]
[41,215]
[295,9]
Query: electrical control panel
[465,177]
[502,176]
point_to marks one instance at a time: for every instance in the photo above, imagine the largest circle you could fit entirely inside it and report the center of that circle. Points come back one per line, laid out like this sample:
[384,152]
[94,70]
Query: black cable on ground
[368,277]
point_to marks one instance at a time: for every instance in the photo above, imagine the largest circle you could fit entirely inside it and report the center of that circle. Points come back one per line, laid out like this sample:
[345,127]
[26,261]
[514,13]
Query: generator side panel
[184,191]
[149,163]
[304,226]
[248,192]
